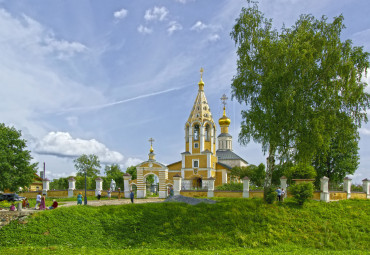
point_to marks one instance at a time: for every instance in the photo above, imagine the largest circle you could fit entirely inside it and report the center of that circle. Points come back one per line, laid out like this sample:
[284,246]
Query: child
[12,207]
[79,199]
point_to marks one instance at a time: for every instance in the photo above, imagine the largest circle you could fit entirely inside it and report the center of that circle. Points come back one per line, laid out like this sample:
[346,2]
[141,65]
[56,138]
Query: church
[201,160]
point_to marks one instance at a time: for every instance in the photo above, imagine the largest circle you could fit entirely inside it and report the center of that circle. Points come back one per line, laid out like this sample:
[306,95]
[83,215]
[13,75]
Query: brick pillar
[246,182]
[211,187]
[347,182]
[366,187]
[176,184]
[126,184]
[71,186]
[324,195]
[99,185]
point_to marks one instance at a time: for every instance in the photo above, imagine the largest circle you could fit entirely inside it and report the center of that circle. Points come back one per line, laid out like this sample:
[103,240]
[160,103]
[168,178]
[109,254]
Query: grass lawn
[244,226]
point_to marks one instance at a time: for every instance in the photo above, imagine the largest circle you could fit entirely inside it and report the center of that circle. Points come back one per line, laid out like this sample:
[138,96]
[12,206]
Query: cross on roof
[151,140]
[224,98]
[201,72]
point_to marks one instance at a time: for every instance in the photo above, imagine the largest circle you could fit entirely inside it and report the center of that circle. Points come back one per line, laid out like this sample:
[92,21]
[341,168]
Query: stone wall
[6,216]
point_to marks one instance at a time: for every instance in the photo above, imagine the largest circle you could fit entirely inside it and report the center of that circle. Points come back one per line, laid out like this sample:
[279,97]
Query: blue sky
[103,77]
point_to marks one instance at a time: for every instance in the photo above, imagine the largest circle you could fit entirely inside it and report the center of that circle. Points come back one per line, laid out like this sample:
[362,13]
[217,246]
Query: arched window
[208,132]
[187,133]
[196,132]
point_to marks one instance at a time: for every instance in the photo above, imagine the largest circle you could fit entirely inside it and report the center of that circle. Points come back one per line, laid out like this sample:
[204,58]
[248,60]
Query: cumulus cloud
[157,13]
[120,14]
[144,30]
[173,26]
[198,26]
[132,162]
[62,144]
[213,38]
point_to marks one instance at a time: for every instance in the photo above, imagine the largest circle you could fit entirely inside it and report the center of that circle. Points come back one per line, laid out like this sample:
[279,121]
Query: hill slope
[230,223]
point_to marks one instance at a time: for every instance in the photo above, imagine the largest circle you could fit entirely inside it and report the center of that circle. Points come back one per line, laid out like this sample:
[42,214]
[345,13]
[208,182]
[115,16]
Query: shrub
[230,186]
[301,192]
[270,195]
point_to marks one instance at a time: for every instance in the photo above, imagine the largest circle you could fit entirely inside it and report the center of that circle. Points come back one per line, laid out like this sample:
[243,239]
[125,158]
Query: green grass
[231,225]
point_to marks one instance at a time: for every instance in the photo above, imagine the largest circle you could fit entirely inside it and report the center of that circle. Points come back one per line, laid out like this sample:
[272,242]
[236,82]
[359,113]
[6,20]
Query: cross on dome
[151,140]
[223,99]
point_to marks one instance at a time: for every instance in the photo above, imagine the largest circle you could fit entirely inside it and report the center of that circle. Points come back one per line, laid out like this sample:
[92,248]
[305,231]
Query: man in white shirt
[38,200]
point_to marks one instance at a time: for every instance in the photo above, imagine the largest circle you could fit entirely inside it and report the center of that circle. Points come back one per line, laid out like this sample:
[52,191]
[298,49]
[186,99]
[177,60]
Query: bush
[270,195]
[301,192]
[230,186]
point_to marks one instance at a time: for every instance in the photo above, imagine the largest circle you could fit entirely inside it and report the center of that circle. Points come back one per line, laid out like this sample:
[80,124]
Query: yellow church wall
[171,174]
[145,165]
[202,161]
[316,195]
[196,150]
[358,195]
[207,145]
[218,180]
[191,175]
[338,195]
[187,146]
[175,166]
[222,193]
[194,193]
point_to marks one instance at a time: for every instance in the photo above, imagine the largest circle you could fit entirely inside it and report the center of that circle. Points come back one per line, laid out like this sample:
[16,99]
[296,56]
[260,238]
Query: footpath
[7,216]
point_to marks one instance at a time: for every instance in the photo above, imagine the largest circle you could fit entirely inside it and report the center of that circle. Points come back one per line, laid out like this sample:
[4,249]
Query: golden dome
[224,120]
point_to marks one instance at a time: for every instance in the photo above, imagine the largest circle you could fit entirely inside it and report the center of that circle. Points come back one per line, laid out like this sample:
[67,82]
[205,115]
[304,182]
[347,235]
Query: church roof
[224,165]
[228,155]
[201,111]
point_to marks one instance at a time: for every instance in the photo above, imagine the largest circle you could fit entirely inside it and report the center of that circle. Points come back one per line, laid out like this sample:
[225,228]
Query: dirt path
[113,202]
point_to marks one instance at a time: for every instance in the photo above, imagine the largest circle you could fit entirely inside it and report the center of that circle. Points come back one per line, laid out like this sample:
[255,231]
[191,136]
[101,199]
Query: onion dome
[224,120]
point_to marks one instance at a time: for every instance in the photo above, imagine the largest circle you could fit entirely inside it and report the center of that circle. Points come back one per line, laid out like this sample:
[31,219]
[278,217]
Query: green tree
[132,171]
[256,174]
[340,157]
[16,169]
[59,184]
[299,84]
[87,163]
[114,172]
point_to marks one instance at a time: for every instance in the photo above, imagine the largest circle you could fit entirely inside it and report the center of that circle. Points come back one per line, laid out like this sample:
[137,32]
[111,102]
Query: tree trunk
[270,164]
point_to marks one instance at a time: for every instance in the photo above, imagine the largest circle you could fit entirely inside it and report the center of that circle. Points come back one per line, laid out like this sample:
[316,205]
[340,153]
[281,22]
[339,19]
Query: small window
[196,145]
[195,163]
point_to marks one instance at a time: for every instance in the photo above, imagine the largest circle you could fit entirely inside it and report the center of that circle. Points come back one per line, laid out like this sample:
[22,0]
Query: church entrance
[197,183]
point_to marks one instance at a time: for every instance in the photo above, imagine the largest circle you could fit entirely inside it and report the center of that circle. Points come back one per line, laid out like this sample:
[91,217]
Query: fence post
[246,187]
[347,182]
[366,187]
[283,185]
[45,186]
[325,195]
[211,187]
[176,184]
[99,185]
[71,186]
[126,184]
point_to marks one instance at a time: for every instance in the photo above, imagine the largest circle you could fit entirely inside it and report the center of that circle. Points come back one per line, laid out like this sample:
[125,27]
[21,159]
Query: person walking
[99,194]
[132,196]
[282,195]
[278,191]
[38,200]
[119,193]
[79,199]
[109,193]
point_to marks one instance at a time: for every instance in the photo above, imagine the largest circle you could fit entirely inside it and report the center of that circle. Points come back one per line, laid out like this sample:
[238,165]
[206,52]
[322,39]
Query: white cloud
[63,48]
[62,144]
[120,14]
[198,26]
[157,13]
[144,30]
[364,131]
[173,26]
[132,162]
[213,38]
